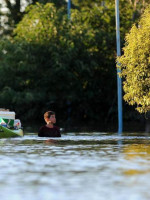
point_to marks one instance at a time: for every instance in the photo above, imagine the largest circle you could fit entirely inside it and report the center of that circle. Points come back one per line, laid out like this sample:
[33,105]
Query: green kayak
[7,133]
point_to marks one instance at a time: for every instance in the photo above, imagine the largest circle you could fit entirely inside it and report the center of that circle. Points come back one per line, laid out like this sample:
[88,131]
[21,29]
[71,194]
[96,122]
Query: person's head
[49,116]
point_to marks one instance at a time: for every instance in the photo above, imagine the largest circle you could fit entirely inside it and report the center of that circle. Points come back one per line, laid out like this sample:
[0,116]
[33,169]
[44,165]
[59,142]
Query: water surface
[78,166]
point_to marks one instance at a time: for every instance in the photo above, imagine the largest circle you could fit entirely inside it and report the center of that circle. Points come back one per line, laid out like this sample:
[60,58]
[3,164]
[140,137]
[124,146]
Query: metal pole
[119,81]
[69,7]
[69,102]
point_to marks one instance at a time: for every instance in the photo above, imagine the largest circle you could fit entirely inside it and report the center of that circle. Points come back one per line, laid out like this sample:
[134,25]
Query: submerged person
[49,130]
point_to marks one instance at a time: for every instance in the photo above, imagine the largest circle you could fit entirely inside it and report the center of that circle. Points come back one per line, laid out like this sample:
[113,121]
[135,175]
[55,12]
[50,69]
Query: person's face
[52,119]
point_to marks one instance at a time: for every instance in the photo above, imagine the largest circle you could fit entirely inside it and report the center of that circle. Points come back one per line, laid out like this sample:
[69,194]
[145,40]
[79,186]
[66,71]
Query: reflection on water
[88,166]
[139,154]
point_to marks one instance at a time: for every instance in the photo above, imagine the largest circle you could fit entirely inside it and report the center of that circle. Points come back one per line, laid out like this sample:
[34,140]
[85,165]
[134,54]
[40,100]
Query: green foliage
[54,63]
[135,64]
[11,12]
[58,60]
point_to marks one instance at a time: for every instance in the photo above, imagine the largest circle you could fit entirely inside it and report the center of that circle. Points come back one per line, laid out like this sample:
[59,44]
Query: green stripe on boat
[9,122]
[7,133]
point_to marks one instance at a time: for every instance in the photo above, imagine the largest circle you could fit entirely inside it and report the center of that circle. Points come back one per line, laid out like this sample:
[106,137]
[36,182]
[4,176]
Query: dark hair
[48,114]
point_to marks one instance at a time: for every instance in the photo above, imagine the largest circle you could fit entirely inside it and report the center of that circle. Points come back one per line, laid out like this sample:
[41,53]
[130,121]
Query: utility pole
[69,8]
[119,81]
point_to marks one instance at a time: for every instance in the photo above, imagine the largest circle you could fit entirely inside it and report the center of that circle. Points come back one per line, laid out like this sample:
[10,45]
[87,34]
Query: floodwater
[83,166]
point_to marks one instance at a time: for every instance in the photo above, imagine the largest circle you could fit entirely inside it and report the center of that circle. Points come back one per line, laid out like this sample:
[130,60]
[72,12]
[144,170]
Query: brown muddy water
[77,166]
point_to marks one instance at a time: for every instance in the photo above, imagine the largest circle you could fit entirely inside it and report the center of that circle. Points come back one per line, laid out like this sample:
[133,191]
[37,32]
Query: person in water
[49,130]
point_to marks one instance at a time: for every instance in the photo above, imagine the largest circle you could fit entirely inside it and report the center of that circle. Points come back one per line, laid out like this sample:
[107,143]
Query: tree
[56,62]
[48,52]
[135,64]
[138,7]
[11,14]
[13,11]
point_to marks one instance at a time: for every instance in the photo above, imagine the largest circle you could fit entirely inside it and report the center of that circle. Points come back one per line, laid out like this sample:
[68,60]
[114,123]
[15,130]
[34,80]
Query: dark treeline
[50,63]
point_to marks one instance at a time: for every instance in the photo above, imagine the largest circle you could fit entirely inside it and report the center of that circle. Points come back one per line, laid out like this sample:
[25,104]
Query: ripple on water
[76,166]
